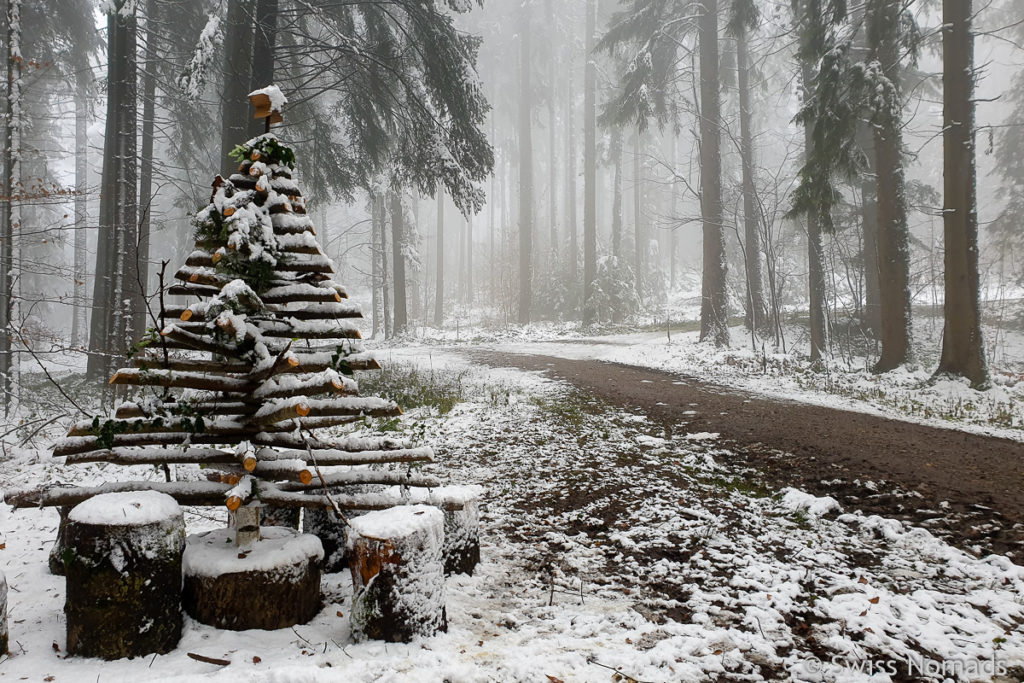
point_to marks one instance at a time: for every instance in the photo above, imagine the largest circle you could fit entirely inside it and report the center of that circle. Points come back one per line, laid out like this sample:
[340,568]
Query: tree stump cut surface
[273,583]
[123,569]
[396,558]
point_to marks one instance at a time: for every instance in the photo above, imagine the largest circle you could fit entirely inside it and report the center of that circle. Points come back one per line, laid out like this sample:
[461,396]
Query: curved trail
[967,487]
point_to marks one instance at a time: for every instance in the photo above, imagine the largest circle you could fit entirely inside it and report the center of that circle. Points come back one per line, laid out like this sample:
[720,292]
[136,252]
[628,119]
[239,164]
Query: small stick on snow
[208,660]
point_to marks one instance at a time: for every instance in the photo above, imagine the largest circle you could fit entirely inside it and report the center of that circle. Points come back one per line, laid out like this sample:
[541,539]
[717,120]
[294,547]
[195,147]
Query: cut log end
[233,503]
[302,409]
[306,477]
[186,315]
[249,463]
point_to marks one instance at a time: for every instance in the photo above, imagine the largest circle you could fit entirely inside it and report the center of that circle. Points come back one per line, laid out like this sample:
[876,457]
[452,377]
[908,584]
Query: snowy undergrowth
[608,544]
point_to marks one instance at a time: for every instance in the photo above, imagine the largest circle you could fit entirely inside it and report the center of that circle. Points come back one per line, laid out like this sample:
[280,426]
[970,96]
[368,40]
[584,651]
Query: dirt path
[966,487]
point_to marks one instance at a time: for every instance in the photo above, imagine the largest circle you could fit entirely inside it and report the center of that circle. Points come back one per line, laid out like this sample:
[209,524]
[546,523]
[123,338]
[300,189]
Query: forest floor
[626,535]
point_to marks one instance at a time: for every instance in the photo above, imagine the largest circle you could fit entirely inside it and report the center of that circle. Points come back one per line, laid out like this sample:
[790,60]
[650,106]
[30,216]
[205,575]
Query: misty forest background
[797,175]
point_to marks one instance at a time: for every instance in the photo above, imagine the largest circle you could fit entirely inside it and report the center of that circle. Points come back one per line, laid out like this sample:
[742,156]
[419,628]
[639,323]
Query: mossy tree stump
[3,614]
[325,524]
[398,570]
[123,568]
[461,527]
[271,583]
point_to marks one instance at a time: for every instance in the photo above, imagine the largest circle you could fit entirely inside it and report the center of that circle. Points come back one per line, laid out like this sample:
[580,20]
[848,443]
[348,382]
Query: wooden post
[461,528]
[246,522]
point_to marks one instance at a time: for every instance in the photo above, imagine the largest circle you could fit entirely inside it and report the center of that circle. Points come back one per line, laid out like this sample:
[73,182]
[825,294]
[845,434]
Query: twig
[208,660]
[625,675]
[36,430]
[320,475]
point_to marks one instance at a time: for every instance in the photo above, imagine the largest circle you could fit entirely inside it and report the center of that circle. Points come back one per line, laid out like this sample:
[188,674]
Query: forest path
[966,487]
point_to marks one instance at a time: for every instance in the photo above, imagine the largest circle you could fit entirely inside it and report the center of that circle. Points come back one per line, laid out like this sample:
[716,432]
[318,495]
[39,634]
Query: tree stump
[3,614]
[461,527]
[123,570]
[328,527]
[398,571]
[270,584]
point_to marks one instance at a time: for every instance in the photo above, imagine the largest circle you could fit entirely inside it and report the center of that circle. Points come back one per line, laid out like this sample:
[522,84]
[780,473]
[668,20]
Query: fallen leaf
[874,600]
[862,580]
[340,614]
[717,652]
[864,613]
[55,646]
[554,680]
[256,659]
[628,641]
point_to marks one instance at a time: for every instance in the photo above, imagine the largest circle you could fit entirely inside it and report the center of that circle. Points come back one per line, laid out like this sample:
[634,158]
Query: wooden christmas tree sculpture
[249,379]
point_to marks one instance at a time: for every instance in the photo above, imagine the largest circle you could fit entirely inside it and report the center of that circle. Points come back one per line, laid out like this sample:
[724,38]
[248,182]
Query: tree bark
[616,152]
[756,317]
[398,261]
[11,108]
[376,278]
[525,169]
[590,167]
[264,39]
[893,233]
[815,254]
[869,229]
[234,112]
[963,350]
[639,231]
[385,293]
[80,316]
[714,314]
[146,166]
[439,285]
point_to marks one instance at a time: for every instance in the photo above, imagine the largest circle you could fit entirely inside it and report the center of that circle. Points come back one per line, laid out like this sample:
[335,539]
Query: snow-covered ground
[607,546]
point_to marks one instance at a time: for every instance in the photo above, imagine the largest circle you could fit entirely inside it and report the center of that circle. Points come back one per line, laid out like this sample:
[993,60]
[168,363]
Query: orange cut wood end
[217,256]
[233,503]
[194,277]
[254,171]
[186,315]
[228,212]
[306,477]
[116,379]
[249,463]
[302,409]
[293,361]
[337,297]
[232,479]
[255,156]
[374,365]
[337,384]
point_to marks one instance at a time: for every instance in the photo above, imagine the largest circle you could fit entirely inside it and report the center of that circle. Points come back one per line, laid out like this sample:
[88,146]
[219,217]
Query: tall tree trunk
[815,253]
[80,317]
[11,115]
[439,284]
[552,99]
[639,233]
[714,314]
[117,252]
[263,43]
[385,293]
[570,179]
[893,233]
[377,277]
[590,167]
[234,111]
[616,152]
[869,228]
[963,352]
[469,260]
[525,170]
[398,262]
[755,313]
[146,162]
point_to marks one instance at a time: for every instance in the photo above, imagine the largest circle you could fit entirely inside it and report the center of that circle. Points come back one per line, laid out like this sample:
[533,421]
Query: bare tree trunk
[525,170]
[80,319]
[963,350]
[714,315]
[616,152]
[385,294]
[815,253]
[570,179]
[234,113]
[398,262]
[377,277]
[869,228]
[469,260]
[439,285]
[146,164]
[263,43]
[755,314]
[893,234]
[590,167]
[639,233]
[130,294]
[12,104]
